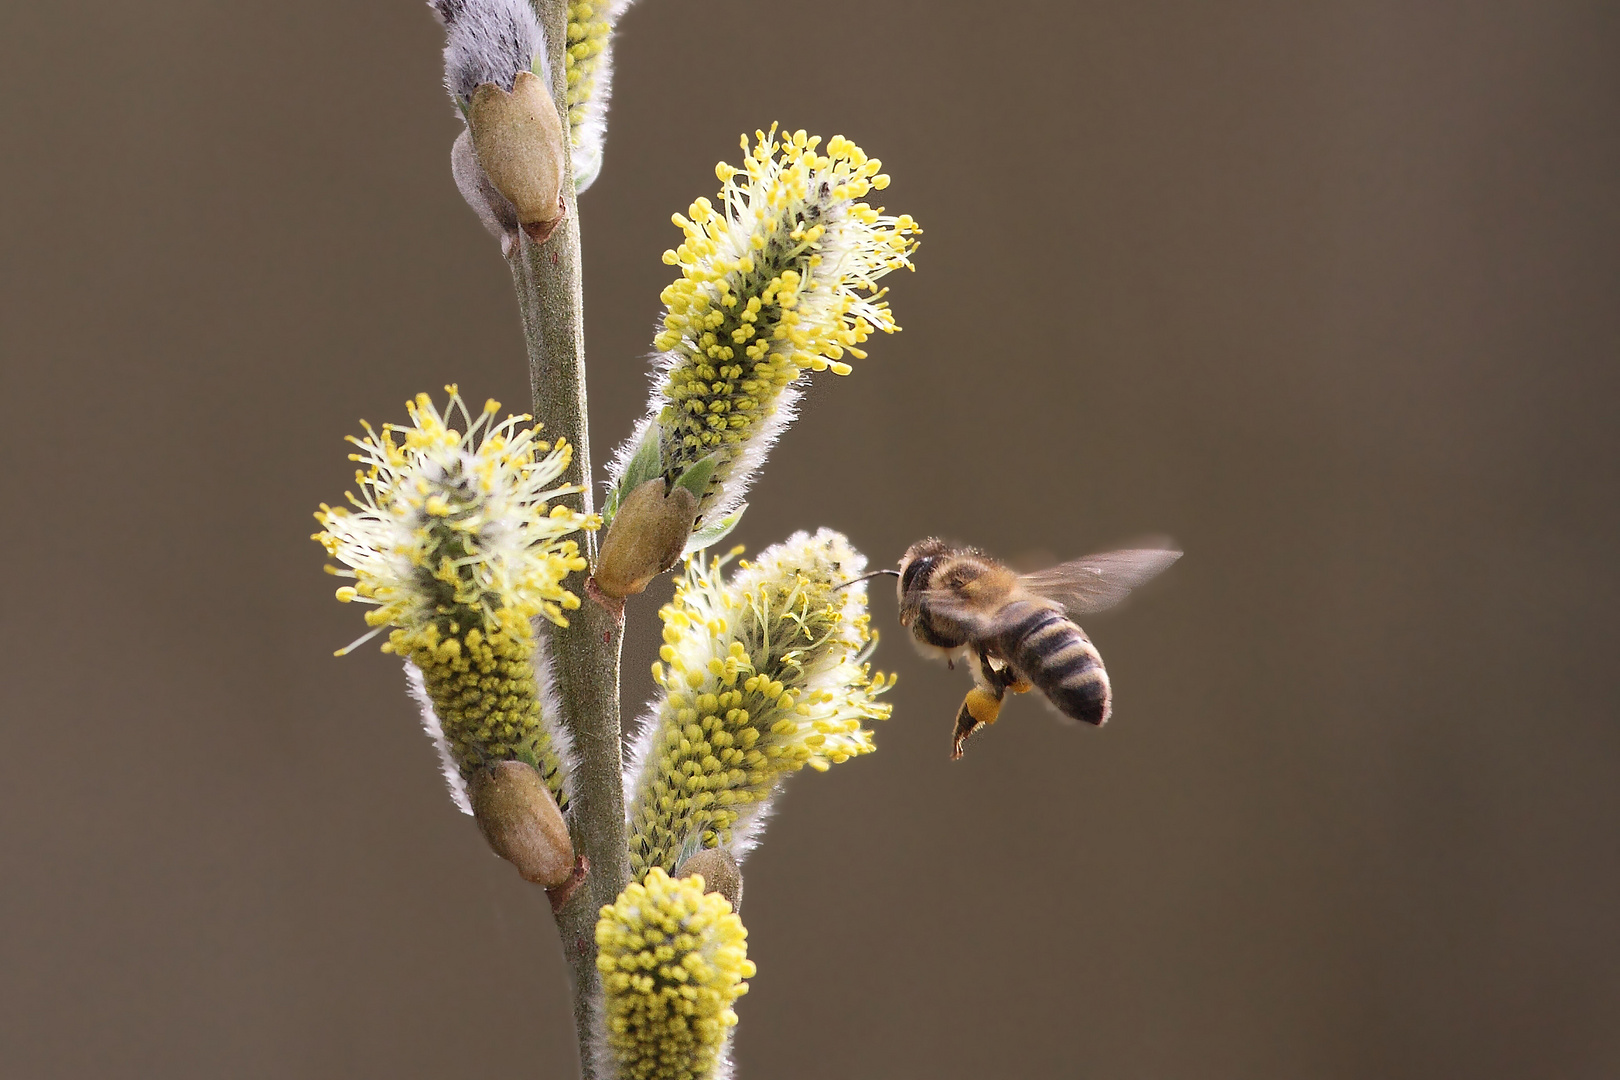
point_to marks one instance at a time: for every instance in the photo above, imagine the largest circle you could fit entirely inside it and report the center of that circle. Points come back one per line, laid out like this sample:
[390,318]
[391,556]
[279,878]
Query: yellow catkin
[486,698]
[588,30]
[762,676]
[673,961]
[456,543]
[779,278]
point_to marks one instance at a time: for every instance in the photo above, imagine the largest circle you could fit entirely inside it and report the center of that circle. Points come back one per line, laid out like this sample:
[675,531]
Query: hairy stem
[586,652]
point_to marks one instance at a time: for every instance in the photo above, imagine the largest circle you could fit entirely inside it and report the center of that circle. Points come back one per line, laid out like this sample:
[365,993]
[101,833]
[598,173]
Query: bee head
[916,567]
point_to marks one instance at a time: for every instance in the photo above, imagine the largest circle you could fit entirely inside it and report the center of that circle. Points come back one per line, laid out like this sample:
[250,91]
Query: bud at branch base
[521,821]
[646,537]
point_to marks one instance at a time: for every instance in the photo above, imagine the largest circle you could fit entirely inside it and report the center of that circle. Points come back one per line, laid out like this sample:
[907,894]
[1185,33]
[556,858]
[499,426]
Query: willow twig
[586,652]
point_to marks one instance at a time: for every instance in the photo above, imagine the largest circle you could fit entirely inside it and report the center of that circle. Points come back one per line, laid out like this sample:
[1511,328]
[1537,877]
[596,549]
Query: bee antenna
[863,577]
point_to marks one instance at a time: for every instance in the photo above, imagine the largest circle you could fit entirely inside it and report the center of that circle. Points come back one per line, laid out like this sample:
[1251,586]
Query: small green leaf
[710,535]
[696,478]
[643,467]
[691,846]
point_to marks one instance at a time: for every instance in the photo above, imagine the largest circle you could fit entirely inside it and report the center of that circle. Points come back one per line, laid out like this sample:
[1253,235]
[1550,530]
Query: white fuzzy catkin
[435,731]
[489,41]
[495,211]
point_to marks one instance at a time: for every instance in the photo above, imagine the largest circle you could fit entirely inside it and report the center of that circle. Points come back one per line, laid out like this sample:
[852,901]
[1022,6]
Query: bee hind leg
[983,703]
[979,708]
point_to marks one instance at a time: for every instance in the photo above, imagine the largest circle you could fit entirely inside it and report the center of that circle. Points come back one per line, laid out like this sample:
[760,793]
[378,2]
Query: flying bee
[1017,630]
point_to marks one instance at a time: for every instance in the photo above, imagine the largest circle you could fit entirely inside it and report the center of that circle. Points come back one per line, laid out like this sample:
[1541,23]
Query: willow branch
[586,652]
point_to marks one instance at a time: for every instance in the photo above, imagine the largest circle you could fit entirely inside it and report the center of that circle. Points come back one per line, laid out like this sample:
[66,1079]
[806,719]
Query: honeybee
[1017,630]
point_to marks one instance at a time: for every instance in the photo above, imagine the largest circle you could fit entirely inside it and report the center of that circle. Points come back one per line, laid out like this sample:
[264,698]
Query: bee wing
[1098,582]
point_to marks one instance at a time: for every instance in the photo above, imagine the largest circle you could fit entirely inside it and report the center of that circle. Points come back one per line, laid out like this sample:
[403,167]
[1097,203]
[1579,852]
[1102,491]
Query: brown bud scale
[521,821]
[719,871]
[519,140]
[646,537]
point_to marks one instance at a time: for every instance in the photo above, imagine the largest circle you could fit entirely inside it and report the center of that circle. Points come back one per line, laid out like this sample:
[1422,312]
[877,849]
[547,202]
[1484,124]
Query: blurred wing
[1098,582]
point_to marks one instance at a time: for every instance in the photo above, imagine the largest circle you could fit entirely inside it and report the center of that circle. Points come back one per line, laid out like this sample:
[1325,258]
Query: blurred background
[1325,292]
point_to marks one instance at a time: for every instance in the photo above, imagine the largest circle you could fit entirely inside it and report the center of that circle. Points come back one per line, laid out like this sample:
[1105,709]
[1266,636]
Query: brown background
[1327,292]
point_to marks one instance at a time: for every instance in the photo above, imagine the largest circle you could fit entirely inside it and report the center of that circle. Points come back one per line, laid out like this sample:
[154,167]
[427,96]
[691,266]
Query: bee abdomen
[1056,656]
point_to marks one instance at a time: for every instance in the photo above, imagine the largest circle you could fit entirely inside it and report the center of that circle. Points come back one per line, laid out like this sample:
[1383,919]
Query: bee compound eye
[915,573]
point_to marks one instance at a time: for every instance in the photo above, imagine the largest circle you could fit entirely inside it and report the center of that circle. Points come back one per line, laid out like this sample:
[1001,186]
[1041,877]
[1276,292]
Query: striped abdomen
[1052,652]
